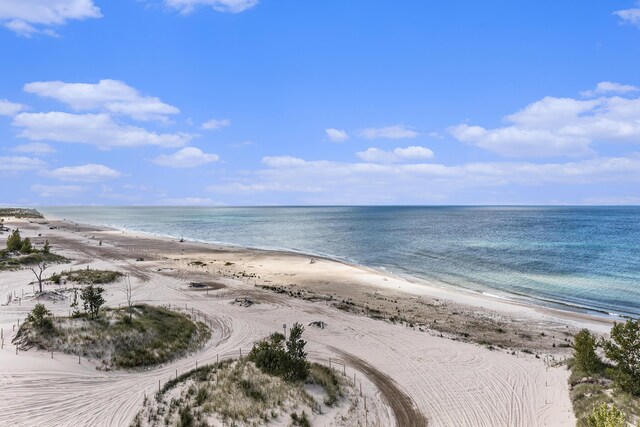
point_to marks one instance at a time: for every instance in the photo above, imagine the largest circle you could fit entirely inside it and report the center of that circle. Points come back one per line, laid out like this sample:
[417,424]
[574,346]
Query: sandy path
[419,375]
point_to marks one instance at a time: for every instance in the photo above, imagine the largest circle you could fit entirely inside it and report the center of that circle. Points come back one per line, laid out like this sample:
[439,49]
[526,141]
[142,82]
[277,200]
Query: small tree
[606,416]
[46,248]
[299,367]
[26,247]
[92,300]
[584,352]
[39,316]
[38,271]
[624,349]
[14,242]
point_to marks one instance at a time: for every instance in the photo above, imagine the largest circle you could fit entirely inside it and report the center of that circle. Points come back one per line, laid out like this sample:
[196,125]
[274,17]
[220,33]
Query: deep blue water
[582,256]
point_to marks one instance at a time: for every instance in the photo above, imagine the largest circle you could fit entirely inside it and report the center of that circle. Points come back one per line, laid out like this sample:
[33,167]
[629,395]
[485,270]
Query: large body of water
[578,257]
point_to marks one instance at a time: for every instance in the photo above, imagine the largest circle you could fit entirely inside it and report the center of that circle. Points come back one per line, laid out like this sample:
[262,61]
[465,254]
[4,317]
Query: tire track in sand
[404,410]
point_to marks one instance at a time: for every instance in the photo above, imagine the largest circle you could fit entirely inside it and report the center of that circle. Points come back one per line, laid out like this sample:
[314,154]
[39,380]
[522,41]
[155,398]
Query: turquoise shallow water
[576,257]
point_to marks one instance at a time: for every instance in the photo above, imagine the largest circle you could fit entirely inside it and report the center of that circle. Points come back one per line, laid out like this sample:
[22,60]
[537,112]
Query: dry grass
[138,337]
[236,393]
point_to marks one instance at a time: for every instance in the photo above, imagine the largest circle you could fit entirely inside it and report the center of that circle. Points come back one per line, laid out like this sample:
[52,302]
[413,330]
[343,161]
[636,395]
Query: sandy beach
[428,354]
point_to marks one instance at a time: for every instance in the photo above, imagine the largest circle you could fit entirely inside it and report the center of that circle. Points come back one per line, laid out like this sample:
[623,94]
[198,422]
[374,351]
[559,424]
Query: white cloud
[336,182]
[20,163]
[26,17]
[389,132]
[35,148]
[90,172]
[603,88]
[113,96]
[8,108]
[336,135]
[282,161]
[230,6]
[57,190]
[629,16]
[559,127]
[412,153]
[215,124]
[188,157]
[96,129]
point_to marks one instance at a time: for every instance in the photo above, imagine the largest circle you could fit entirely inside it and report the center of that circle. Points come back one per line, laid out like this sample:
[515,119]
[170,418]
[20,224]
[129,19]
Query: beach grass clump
[87,276]
[140,336]
[230,392]
[15,261]
[328,379]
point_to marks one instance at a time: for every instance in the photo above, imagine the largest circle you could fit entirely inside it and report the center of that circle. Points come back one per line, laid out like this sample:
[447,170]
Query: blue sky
[314,102]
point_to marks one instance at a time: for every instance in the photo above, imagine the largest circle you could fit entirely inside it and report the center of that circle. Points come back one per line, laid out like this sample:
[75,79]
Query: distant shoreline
[483,290]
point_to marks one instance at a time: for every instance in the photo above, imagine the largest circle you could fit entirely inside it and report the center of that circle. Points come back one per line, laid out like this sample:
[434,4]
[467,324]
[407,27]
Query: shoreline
[598,319]
[455,358]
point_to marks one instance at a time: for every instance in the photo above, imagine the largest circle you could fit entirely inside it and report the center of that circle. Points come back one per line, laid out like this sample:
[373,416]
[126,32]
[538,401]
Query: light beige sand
[449,382]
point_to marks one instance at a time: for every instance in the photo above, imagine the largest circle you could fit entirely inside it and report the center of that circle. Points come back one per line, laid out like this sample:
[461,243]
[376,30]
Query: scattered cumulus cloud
[604,88]
[90,172]
[107,95]
[336,135]
[96,129]
[215,124]
[57,190]
[20,163]
[28,17]
[330,182]
[230,6]
[8,108]
[188,157]
[629,16]
[35,148]
[408,154]
[561,126]
[389,132]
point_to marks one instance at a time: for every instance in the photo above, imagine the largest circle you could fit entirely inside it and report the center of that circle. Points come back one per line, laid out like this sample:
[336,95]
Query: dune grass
[87,276]
[126,338]
[589,391]
[235,393]
[11,261]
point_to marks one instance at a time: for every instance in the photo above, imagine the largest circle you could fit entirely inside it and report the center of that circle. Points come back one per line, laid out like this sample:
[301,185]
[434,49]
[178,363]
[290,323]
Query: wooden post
[78,359]
[176,374]
[52,353]
[158,386]
[344,370]
[217,359]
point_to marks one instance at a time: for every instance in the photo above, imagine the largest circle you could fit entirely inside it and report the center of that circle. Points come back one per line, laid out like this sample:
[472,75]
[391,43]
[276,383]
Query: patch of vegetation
[601,391]
[124,338]
[20,213]
[87,276]
[327,378]
[21,253]
[287,360]
[233,392]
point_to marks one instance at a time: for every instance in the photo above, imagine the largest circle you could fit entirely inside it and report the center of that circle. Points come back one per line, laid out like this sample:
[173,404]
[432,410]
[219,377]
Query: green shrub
[14,242]
[26,247]
[286,360]
[606,416]
[584,352]
[40,316]
[624,349]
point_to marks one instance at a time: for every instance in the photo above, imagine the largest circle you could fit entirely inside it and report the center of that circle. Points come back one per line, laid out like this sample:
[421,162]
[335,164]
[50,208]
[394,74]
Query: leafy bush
[14,242]
[624,349]
[286,360]
[606,416]
[584,352]
[92,300]
[26,247]
[39,316]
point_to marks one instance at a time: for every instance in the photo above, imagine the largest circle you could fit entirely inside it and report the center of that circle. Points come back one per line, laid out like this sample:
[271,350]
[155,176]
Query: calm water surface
[583,257]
